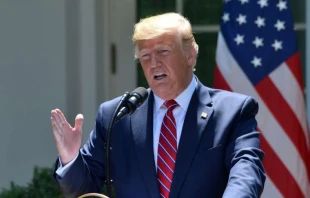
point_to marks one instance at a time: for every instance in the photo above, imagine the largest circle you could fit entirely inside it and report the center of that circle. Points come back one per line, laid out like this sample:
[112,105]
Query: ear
[191,56]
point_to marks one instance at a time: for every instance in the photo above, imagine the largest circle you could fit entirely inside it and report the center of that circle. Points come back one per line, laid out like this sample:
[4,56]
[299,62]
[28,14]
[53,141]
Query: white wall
[55,54]
[122,19]
[32,82]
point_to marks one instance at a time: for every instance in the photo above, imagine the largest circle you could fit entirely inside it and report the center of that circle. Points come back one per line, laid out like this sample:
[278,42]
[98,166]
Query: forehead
[161,41]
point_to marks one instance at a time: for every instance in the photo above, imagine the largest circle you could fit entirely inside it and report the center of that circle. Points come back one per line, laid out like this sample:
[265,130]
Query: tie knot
[171,104]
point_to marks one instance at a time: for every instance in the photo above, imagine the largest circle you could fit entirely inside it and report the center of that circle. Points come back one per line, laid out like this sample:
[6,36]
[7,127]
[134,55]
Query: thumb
[79,119]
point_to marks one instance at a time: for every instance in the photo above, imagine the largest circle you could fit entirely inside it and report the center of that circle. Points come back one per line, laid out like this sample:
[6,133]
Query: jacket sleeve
[244,156]
[87,173]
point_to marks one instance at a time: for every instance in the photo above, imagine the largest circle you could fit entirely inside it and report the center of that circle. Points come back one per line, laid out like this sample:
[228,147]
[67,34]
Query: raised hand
[68,139]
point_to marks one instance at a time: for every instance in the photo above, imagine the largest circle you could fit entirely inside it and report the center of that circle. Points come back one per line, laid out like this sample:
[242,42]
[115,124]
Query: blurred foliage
[13,192]
[206,57]
[42,185]
[148,8]
[202,12]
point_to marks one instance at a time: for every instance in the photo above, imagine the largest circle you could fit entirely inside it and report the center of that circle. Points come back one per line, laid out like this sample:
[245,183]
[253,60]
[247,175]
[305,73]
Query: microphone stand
[108,141]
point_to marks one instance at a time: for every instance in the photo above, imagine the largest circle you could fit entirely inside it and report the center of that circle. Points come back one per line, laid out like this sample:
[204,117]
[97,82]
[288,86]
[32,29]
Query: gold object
[93,195]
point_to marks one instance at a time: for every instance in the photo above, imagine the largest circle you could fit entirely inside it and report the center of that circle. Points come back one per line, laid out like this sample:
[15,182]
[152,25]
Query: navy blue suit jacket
[218,156]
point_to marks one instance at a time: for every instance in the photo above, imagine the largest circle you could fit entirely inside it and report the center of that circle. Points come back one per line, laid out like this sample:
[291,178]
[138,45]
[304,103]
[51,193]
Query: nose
[155,62]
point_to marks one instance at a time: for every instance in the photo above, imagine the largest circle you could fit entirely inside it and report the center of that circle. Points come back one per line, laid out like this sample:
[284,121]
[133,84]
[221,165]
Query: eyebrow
[142,51]
[156,47]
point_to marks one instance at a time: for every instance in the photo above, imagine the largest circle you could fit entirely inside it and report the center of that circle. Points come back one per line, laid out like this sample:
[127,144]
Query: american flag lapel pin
[204,115]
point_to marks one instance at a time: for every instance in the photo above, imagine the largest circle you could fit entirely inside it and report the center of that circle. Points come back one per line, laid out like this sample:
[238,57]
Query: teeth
[159,74]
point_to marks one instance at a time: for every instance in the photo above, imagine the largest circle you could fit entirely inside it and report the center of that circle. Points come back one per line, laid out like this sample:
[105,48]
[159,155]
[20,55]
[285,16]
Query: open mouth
[159,76]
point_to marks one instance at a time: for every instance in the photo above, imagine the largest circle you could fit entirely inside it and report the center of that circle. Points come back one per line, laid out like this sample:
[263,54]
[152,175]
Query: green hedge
[42,185]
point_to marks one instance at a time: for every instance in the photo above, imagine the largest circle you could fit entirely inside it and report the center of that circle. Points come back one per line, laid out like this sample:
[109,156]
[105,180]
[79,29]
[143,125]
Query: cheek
[179,71]
[146,70]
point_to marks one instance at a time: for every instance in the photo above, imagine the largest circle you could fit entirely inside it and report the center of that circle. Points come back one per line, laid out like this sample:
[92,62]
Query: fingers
[56,118]
[59,121]
[55,125]
[79,119]
[61,116]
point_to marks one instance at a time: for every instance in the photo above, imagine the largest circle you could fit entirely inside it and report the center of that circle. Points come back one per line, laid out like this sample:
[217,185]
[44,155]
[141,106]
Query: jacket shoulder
[228,96]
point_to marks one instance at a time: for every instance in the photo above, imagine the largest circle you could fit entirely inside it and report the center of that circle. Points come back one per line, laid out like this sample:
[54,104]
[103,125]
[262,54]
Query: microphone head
[137,98]
[142,92]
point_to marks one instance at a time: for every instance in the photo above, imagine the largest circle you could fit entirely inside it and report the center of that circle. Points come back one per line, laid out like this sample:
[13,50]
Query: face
[167,68]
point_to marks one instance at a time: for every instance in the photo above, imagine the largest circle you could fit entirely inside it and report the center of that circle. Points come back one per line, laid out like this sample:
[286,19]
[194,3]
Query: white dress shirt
[179,113]
[159,112]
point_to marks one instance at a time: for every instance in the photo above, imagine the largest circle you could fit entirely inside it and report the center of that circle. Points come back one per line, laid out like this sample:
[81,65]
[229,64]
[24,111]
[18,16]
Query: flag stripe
[284,115]
[293,96]
[220,82]
[294,64]
[277,171]
[257,55]
[272,131]
[271,160]
[270,190]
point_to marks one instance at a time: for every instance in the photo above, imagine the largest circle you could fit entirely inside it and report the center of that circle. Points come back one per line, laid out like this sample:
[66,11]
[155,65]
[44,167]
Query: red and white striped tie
[167,150]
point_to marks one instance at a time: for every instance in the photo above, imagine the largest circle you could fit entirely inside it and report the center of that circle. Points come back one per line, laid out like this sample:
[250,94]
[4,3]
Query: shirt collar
[183,99]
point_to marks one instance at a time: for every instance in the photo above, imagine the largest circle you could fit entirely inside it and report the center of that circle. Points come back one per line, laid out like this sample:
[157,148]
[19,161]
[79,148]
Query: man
[186,140]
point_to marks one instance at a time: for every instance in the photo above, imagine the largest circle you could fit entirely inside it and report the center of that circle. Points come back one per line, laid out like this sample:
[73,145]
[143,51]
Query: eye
[164,52]
[145,56]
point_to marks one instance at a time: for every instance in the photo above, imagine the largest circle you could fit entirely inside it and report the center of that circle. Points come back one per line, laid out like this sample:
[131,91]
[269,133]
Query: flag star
[225,17]
[258,42]
[256,61]
[244,1]
[239,39]
[241,19]
[280,25]
[263,3]
[277,45]
[260,21]
[282,5]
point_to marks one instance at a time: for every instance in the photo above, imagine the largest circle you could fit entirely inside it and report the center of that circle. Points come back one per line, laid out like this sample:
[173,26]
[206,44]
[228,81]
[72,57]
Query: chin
[165,94]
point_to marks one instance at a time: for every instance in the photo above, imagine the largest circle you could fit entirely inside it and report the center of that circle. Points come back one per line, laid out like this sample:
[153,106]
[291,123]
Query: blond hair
[154,26]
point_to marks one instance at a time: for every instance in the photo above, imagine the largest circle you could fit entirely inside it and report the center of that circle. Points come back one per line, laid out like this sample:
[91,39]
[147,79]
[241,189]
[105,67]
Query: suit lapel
[196,119]
[142,130]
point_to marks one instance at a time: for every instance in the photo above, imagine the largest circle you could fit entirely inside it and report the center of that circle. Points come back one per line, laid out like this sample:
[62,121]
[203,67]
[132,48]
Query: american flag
[257,55]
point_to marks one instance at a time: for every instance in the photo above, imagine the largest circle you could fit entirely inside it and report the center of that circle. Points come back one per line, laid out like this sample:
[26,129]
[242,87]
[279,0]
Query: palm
[68,139]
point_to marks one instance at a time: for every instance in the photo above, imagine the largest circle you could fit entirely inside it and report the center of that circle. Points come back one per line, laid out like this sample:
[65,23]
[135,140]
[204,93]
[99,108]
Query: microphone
[135,100]
[127,105]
